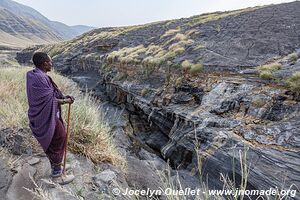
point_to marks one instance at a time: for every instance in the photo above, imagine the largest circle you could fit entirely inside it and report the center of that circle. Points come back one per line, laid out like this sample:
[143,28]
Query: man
[45,121]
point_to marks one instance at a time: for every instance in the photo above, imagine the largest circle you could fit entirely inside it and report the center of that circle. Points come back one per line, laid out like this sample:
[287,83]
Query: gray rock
[156,141]
[106,176]
[23,179]
[181,98]
[141,176]
[5,177]
[249,71]
[33,161]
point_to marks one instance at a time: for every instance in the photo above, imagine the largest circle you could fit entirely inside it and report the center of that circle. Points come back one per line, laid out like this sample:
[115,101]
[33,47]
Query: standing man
[45,121]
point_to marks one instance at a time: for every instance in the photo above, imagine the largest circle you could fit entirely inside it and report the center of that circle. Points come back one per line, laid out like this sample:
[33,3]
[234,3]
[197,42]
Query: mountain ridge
[21,25]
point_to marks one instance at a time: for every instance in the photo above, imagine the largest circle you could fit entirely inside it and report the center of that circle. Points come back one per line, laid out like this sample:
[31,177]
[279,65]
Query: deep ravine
[181,135]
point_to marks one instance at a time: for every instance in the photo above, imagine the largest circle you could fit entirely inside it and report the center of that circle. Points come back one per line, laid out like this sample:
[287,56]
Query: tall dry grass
[89,136]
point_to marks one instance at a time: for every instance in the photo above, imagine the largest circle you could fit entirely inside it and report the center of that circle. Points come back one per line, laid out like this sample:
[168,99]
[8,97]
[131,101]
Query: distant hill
[79,29]
[21,25]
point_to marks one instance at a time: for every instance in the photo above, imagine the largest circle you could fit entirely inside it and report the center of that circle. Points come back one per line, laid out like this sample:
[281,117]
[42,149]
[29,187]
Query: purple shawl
[43,106]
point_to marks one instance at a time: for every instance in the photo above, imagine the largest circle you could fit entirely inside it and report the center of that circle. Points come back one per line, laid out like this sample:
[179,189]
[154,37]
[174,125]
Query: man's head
[42,61]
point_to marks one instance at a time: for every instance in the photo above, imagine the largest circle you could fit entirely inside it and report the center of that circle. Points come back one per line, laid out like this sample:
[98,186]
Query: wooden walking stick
[66,143]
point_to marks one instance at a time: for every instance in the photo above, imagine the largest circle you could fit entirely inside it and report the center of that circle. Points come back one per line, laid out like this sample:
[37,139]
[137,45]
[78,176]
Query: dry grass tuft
[293,82]
[170,32]
[270,67]
[191,68]
[266,71]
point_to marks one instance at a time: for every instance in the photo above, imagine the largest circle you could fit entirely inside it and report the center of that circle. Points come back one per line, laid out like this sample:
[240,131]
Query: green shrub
[179,50]
[293,82]
[218,28]
[265,71]
[120,76]
[196,68]
[153,62]
[186,65]
[150,64]
[175,65]
[178,37]
[179,81]
[144,92]
[266,75]
[126,55]
[191,32]
[54,52]
[170,32]
[191,68]
[293,57]
[200,46]
[169,55]
[153,49]
[270,67]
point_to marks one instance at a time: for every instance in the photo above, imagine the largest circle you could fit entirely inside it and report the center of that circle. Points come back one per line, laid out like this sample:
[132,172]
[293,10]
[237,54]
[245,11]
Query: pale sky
[104,13]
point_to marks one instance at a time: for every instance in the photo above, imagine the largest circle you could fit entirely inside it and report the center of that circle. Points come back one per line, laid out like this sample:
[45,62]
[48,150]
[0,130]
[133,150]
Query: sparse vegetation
[10,63]
[179,81]
[191,68]
[180,44]
[270,67]
[180,37]
[200,19]
[144,92]
[160,57]
[127,55]
[120,76]
[153,49]
[177,38]
[218,28]
[53,50]
[89,136]
[191,32]
[196,68]
[150,64]
[170,32]
[293,57]
[265,71]
[200,46]
[293,83]
[186,65]
[41,193]
[266,75]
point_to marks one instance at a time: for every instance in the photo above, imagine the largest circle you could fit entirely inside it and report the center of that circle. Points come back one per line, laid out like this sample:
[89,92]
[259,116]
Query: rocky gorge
[225,126]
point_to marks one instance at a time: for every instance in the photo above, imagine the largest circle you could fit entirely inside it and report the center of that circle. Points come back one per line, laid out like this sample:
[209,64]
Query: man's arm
[64,101]
[69,97]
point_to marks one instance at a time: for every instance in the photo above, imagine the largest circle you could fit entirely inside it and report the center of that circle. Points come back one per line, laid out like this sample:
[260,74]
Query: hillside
[21,25]
[210,95]
[239,38]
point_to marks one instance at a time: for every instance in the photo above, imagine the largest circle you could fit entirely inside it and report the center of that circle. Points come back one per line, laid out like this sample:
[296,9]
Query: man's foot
[64,179]
[56,171]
